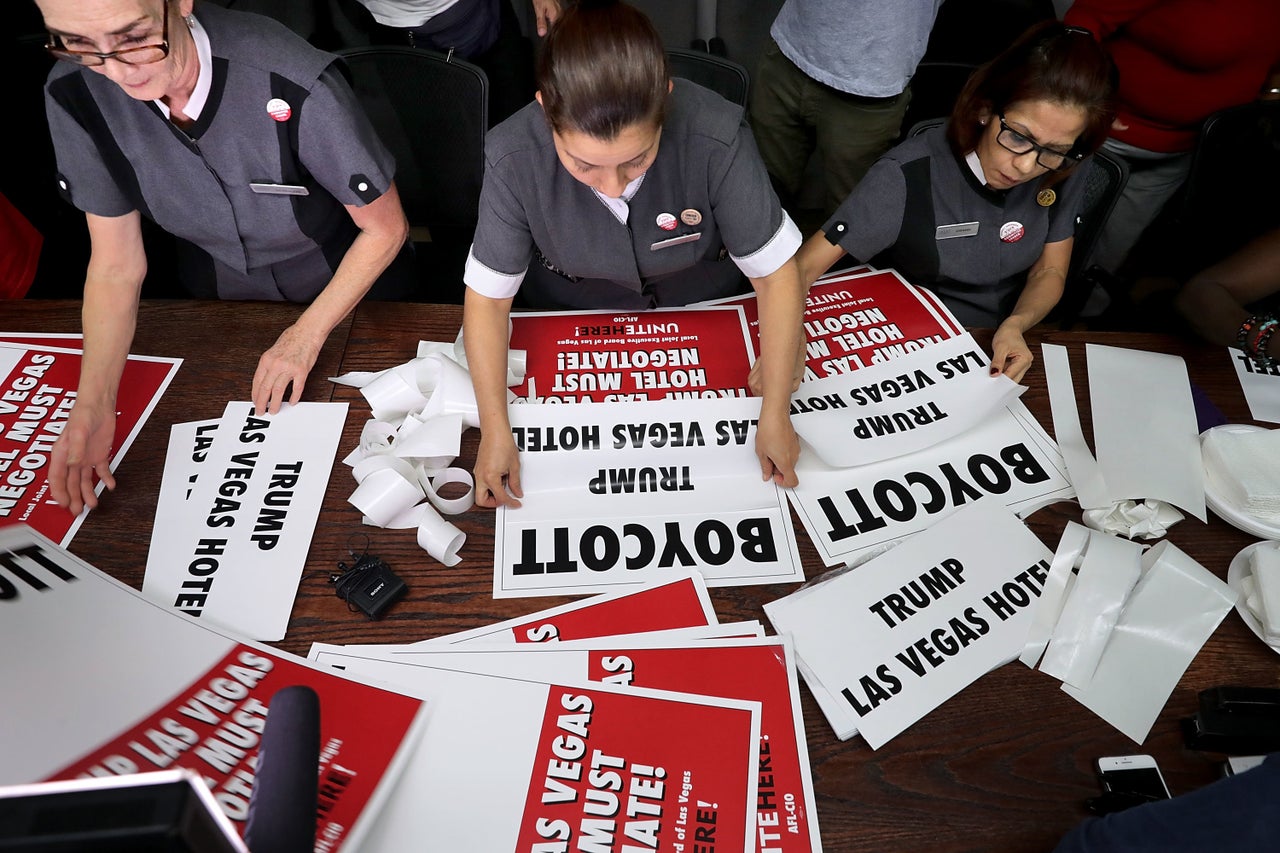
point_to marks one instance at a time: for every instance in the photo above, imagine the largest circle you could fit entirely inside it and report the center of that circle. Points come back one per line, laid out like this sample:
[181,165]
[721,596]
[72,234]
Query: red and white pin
[279,109]
[1011,232]
[666,221]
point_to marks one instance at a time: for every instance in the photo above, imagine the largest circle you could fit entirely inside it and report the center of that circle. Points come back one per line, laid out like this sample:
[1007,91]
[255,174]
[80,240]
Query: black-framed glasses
[1018,143]
[141,55]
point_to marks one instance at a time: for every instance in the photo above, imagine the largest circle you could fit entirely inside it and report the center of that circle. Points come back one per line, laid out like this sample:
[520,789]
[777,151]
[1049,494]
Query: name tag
[676,241]
[278,189]
[960,229]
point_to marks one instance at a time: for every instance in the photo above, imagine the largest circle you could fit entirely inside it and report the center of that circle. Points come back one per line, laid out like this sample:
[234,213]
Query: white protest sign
[1261,386]
[233,552]
[851,512]
[901,406]
[617,494]
[899,635]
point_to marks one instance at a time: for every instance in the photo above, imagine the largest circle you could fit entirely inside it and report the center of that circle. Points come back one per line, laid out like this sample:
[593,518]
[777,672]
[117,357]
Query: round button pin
[689,216]
[1011,232]
[279,109]
[666,222]
[1045,198]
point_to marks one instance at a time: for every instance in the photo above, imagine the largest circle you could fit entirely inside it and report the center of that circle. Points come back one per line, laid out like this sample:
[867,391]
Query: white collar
[200,94]
[976,165]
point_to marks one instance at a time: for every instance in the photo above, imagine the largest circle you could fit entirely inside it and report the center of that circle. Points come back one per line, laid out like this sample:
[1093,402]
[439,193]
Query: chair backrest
[723,76]
[934,88]
[432,112]
[1104,178]
[921,126]
[1230,193]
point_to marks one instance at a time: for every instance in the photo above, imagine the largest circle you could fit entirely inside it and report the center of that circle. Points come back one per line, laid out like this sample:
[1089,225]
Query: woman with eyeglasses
[238,137]
[982,210]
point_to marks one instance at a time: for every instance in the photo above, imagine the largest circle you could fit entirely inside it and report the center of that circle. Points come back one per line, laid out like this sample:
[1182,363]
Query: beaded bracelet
[1242,336]
[1259,348]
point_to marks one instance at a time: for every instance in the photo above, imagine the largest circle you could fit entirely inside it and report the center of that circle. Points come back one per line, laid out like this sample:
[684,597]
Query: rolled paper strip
[440,435]
[370,465]
[446,348]
[357,378]
[391,397]
[440,538]
[451,506]
[517,366]
[453,394]
[383,495]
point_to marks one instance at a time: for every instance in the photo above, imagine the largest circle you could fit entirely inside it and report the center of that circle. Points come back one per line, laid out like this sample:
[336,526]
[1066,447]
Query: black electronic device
[368,585]
[1128,780]
[1235,720]
[166,811]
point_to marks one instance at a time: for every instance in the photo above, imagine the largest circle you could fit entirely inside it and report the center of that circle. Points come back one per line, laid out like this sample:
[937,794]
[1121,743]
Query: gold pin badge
[1045,198]
[689,216]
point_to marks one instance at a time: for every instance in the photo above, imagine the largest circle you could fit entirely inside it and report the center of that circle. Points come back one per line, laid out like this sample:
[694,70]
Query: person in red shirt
[1180,61]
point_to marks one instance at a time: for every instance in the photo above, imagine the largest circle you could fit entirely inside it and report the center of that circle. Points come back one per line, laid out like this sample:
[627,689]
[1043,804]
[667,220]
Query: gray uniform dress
[542,229]
[897,217]
[116,155]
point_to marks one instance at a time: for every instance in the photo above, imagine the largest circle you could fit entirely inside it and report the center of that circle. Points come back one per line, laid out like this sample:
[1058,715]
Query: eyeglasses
[1011,140]
[141,55]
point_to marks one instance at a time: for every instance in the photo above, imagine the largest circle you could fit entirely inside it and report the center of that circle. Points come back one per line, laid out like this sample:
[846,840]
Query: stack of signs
[101,681]
[882,645]
[682,473]
[238,505]
[893,447]
[39,376]
[858,317]
[606,356]
[660,739]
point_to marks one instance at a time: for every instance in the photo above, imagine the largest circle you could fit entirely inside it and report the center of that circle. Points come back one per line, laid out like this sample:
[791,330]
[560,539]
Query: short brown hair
[1049,62]
[603,68]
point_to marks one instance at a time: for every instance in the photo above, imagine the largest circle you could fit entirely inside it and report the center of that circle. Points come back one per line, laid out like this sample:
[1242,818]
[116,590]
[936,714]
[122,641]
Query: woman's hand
[83,449]
[1010,354]
[777,448]
[497,472]
[287,363]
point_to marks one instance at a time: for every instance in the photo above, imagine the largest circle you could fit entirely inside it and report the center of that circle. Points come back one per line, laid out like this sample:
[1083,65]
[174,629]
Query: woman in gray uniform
[621,188]
[245,143]
[982,211]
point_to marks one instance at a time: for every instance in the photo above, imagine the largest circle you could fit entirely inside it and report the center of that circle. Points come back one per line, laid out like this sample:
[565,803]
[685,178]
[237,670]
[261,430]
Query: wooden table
[1004,766]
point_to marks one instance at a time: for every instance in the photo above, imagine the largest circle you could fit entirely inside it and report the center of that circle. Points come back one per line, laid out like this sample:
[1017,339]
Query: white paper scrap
[1108,572]
[1144,426]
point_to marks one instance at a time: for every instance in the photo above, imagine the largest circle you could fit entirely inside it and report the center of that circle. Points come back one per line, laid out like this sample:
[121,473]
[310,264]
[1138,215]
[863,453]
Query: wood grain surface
[1003,766]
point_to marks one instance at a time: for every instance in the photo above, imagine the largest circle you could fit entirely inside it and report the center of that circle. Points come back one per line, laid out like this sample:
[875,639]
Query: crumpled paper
[1147,519]
[406,451]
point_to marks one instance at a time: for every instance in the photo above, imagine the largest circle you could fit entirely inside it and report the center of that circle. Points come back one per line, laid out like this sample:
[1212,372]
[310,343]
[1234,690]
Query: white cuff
[490,282]
[779,249]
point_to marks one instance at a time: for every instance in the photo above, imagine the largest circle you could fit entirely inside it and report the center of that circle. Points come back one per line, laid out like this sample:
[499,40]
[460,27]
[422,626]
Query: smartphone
[1132,775]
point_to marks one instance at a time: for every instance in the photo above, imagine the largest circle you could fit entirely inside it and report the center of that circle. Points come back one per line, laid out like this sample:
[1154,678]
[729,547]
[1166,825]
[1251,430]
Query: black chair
[934,89]
[723,76]
[1104,178]
[1230,193]
[432,112]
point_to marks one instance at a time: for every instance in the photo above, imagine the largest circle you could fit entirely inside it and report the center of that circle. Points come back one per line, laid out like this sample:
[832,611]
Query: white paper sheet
[902,633]
[1174,609]
[1108,572]
[852,513]
[234,551]
[1261,386]
[616,494]
[1144,426]
[902,406]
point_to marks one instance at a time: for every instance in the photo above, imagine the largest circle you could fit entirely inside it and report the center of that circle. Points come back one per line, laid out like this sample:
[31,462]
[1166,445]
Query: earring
[982,121]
